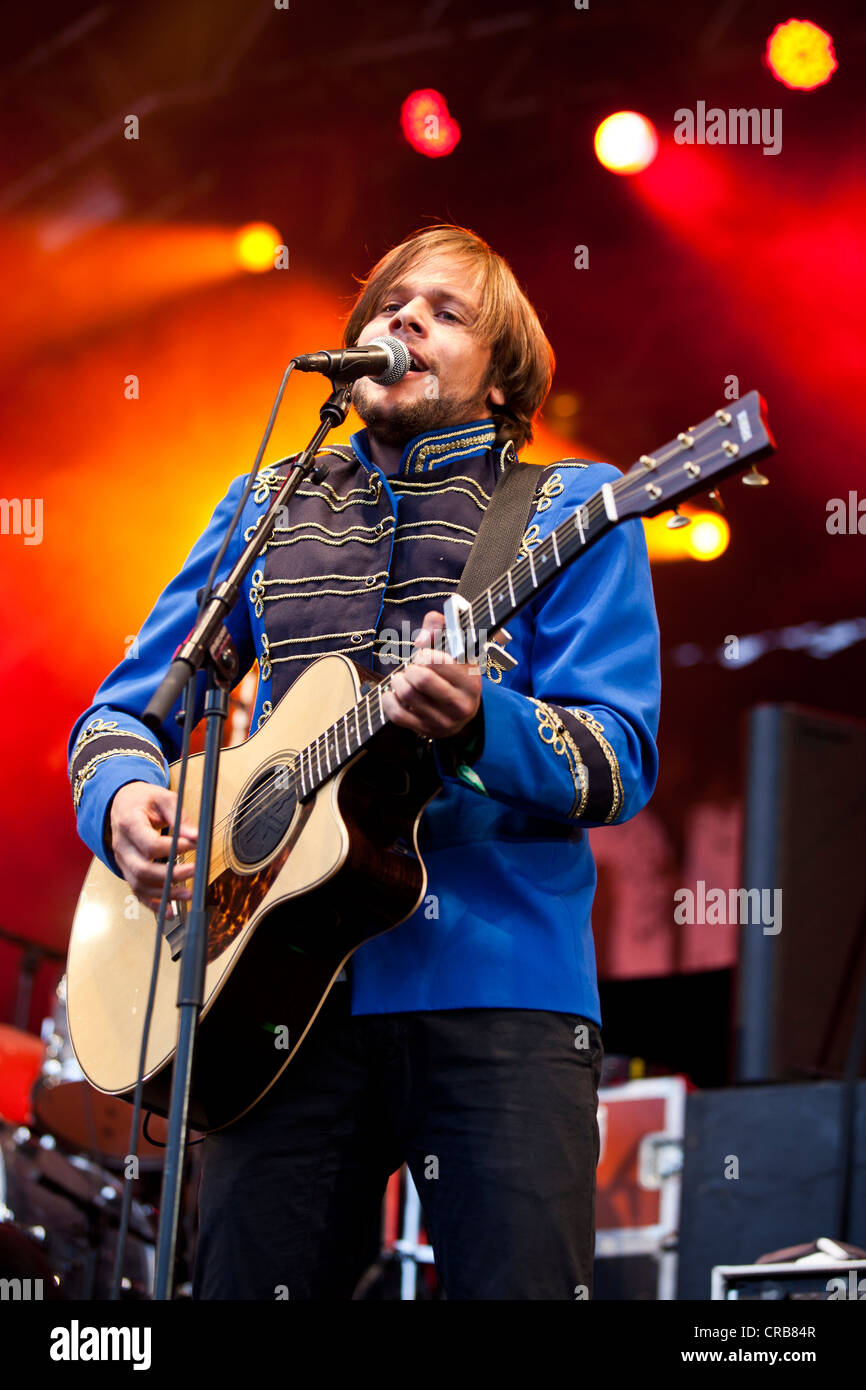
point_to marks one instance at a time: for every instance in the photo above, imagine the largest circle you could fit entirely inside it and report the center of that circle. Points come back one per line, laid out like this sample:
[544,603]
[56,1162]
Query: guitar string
[270,795]
[519,571]
[253,807]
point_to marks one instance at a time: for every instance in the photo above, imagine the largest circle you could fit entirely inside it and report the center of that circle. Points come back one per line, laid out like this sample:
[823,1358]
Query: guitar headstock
[734,438]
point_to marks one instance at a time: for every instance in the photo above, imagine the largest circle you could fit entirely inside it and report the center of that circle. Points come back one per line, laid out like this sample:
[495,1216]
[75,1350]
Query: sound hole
[263,814]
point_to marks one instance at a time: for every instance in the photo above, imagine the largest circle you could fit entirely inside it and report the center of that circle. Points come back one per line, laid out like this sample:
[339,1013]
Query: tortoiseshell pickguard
[233,898]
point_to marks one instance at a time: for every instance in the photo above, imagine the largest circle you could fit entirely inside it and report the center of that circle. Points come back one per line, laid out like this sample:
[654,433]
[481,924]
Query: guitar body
[293,890]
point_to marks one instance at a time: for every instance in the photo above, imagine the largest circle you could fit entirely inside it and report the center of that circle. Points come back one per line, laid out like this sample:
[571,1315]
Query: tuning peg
[716,498]
[677,521]
[755,479]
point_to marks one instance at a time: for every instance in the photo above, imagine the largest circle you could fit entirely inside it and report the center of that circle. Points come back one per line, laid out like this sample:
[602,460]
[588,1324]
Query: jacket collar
[434,448]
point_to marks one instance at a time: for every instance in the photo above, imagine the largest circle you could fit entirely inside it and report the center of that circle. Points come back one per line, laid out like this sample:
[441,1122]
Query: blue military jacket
[568,732]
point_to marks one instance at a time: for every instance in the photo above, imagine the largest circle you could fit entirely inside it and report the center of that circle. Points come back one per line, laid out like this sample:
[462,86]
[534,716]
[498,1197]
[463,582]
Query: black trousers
[494,1111]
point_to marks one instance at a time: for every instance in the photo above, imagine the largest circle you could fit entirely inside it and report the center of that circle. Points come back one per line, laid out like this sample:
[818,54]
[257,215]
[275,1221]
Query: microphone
[385,360]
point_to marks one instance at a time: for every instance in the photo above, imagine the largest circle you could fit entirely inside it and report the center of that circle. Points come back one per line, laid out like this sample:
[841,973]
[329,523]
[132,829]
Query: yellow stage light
[707,537]
[800,54]
[257,246]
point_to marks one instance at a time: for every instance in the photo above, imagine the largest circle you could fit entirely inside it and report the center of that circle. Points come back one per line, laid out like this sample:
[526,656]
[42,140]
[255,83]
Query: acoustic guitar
[315,847]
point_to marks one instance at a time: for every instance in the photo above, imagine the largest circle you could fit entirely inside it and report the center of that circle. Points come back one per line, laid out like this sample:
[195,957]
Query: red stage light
[800,54]
[626,142]
[427,123]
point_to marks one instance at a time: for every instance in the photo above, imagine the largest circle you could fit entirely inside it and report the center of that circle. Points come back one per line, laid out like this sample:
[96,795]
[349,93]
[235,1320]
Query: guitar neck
[495,606]
[492,609]
[696,459]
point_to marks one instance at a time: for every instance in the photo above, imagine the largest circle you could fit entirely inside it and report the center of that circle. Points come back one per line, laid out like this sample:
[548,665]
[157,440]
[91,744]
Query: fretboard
[492,609]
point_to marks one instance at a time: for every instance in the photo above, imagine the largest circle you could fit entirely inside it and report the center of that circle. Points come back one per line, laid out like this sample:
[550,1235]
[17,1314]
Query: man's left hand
[434,695]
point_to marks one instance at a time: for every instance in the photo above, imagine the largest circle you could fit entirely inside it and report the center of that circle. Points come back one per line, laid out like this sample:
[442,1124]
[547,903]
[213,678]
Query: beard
[395,422]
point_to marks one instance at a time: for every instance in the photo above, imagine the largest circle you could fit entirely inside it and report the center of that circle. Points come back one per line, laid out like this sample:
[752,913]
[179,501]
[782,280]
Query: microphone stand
[210,645]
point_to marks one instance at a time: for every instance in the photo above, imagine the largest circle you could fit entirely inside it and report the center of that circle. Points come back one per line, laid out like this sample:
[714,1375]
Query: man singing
[465,1041]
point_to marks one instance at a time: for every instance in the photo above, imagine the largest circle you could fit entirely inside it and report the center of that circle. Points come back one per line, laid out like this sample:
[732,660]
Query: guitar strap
[498,538]
[494,550]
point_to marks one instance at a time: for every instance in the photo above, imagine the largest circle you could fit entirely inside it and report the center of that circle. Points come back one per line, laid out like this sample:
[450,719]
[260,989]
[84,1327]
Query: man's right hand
[138,812]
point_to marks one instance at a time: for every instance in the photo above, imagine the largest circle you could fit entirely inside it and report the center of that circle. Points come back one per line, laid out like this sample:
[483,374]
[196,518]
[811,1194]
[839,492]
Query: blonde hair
[521,358]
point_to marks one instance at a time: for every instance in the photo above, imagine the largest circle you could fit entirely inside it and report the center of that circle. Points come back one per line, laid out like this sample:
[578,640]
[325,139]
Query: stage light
[256,246]
[799,54]
[707,537]
[704,538]
[427,123]
[626,142]
[564,406]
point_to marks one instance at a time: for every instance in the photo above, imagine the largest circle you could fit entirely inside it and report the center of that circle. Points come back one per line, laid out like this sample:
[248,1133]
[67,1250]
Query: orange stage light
[56,296]
[257,246]
[626,142]
[427,123]
[705,539]
[799,54]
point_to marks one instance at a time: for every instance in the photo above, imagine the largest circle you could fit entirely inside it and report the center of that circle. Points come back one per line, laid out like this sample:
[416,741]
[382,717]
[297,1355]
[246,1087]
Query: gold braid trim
[341,505]
[314,578]
[90,767]
[335,449]
[493,671]
[265,659]
[456,443]
[433,489]
[552,731]
[432,536]
[266,479]
[336,651]
[317,593]
[319,526]
[257,592]
[426,578]
[597,730]
[347,539]
[418,598]
[546,491]
[531,538]
[317,637]
[449,525]
[97,728]
[104,728]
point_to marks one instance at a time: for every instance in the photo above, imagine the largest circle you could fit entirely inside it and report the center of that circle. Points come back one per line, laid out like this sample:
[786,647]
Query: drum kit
[64,1158]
